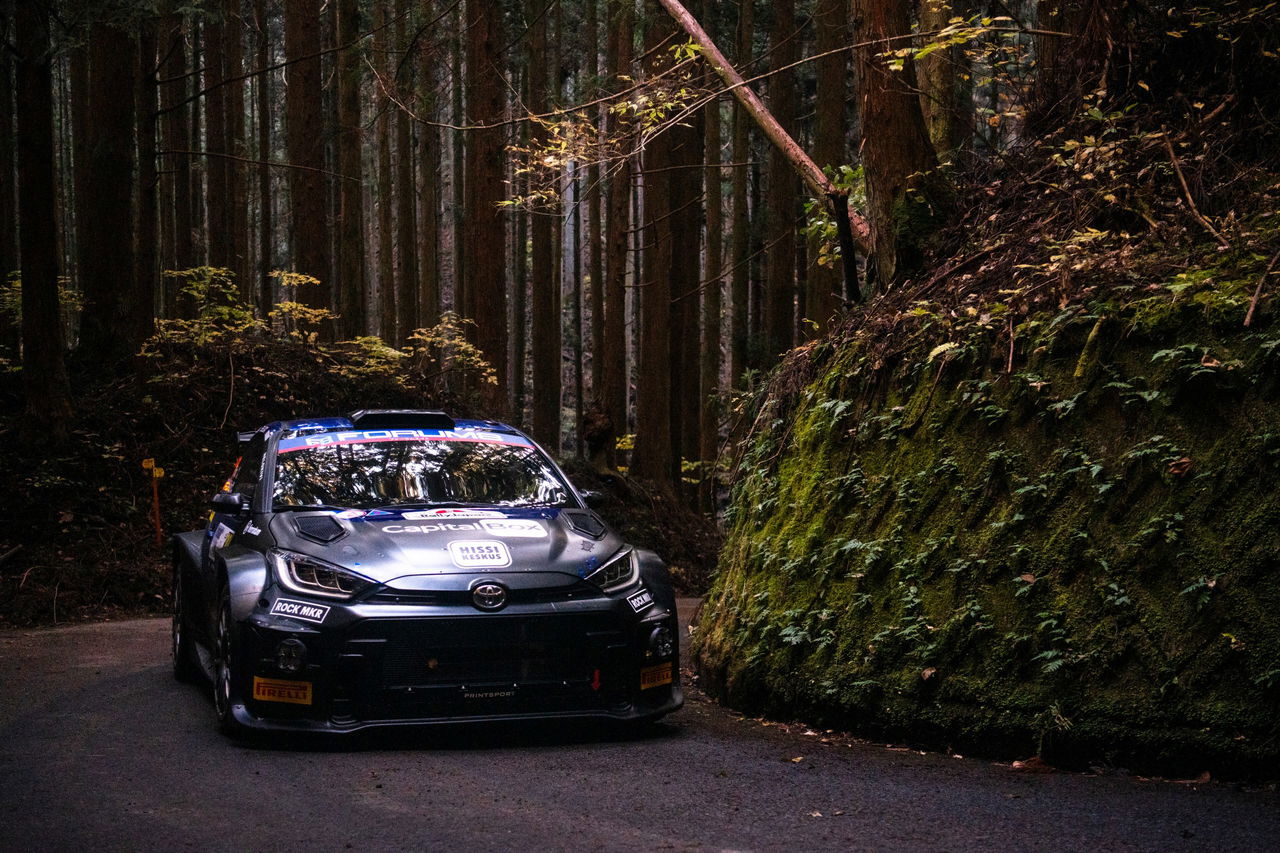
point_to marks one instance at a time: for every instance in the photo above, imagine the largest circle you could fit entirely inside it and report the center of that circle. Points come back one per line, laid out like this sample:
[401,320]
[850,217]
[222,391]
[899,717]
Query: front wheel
[184,665]
[224,667]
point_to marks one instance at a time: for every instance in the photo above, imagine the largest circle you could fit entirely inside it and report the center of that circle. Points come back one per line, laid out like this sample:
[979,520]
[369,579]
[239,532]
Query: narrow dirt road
[101,750]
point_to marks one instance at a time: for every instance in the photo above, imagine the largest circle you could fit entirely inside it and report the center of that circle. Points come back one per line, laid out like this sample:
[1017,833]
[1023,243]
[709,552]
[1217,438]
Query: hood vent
[584,521]
[319,528]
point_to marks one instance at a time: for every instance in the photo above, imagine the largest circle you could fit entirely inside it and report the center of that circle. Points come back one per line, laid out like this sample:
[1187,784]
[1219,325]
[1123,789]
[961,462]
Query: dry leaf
[1034,764]
[927,673]
[1179,467]
[1209,361]
[797,759]
[1027,577]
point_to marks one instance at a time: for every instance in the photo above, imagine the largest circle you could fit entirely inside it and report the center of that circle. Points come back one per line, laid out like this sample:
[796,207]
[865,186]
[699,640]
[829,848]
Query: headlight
[622,570]
[310,576]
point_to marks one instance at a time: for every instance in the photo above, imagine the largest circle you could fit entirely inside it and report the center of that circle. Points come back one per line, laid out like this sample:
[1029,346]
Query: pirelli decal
[655,676]
[275,690]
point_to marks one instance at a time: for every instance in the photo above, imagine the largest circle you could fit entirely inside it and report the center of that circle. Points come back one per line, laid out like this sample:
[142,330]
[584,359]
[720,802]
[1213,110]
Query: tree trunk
[237,173]
[265,213]
[831,28]
[197,170]
[685,180]
[385,204]
[654,458]
[217,167]
[44,376]
[946,88]
[740,292]
[176,125]
[147,269]
[595,216]
[709,362]
[612,394]
[8,177]
[107,241]
[429,172]
[783,200]
[305,141]
[351,282]
[409,312]
[485,246]
[458,168]
[544,312]
[895,145]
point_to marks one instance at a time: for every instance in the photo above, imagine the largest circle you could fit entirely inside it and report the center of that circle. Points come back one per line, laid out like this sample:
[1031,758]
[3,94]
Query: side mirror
[593,498]
[229,503]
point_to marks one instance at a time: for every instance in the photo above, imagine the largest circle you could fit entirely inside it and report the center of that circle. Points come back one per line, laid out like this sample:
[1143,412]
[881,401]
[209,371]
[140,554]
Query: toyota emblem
[489,596]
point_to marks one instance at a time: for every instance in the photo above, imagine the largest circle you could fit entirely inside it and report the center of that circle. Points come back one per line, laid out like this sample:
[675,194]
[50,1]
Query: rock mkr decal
[300,610]
[640,600]
[472,554]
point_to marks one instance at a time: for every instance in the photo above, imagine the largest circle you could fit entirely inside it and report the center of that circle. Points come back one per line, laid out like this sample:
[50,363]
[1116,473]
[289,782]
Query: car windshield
[378,468]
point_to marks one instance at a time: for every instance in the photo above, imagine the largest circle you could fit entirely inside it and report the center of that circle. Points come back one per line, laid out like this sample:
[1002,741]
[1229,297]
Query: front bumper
[372,666]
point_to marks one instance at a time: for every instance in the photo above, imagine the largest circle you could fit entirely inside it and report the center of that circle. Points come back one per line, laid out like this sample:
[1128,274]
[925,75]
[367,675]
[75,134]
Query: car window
[250,468]
[367,473]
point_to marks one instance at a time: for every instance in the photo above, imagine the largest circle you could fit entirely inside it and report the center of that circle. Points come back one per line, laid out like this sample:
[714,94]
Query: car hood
[390,545]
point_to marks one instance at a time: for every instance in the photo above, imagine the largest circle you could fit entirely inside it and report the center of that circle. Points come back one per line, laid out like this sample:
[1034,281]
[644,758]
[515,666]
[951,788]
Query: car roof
[366,419]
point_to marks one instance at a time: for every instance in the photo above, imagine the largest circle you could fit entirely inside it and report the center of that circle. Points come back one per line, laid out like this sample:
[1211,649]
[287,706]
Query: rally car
[399,567]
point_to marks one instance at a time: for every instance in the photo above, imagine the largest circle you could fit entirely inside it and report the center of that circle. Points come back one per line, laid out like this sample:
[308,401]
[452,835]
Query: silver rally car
[401,568]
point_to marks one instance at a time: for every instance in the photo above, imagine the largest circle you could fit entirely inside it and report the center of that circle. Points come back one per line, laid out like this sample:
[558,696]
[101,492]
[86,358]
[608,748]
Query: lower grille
[483,664]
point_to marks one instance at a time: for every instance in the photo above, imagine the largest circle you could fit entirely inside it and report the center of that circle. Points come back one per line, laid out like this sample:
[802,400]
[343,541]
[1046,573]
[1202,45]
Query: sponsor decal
[276,690]
[451,513]
[373,436]
[508,693]
[252,529]
[427,528]
[479,554]
[300,610]
[640,600]
[222,536]
[655,676]
[516,528]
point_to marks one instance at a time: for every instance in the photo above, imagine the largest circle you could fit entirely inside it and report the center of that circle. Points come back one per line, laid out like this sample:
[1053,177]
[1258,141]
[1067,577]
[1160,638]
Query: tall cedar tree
[385,208]
[408,315]
[306,148]
[544,309]
[221,220]
[829,149]
[266,218]
[176,166]
[612,395]
[237,174]
[429,160]
[8,177]
[106,239]
[351,282]
[654,457]
[146,277]
[48,398]
[595,197]
[485,265]
[782,216]
[710,362]
[895,145]
[740,238]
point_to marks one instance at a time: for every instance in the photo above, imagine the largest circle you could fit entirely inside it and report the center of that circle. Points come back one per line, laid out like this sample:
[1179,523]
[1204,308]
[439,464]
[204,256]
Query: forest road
[100,749]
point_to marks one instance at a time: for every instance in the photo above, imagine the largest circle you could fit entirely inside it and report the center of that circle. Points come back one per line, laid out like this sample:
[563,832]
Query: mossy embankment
[1055,533]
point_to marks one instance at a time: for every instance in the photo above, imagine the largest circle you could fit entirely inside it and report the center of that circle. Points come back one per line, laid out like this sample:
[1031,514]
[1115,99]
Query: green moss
[1081,557]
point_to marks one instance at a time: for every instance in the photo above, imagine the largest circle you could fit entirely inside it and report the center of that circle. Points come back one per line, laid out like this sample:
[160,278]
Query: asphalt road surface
[100,749]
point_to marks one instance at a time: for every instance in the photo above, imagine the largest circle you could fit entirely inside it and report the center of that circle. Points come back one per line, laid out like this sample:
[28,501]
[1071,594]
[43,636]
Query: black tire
[184,661]
[225,648]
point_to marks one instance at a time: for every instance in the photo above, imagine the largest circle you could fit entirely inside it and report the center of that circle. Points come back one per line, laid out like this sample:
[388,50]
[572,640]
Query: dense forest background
[604,220]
